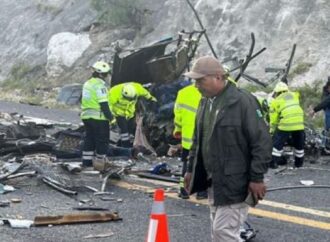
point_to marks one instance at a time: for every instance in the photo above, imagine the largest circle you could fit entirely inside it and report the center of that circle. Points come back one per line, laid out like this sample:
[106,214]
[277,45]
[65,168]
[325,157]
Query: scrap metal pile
[51,152]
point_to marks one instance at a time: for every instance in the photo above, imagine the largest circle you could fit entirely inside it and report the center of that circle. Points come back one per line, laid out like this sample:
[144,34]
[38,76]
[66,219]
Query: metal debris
[58,186]
[83,208]
[307,182]
[16,200]
[4,204]
[95,236]
[17,223]
[5,189]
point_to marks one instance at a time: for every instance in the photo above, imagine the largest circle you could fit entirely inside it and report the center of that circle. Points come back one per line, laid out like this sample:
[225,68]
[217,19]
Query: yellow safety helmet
[281,87]
[128,91]
[101,67]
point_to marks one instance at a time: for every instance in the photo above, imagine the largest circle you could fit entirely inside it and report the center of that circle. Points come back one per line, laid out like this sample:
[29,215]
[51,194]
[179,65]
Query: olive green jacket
[240,148]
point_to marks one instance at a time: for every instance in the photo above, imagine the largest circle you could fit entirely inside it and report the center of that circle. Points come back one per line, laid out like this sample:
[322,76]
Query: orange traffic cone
[158,228]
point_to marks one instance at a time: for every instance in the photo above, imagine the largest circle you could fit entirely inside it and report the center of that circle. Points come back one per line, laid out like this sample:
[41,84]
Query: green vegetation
[18,79]
[119,13]
[45,8]
[310,95]
[299,69]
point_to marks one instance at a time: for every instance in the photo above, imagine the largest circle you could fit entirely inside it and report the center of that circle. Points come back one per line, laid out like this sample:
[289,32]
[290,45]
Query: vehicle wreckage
[49,150]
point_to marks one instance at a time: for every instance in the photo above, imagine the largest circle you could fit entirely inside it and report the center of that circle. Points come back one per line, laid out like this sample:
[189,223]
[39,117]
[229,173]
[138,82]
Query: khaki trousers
[226,220]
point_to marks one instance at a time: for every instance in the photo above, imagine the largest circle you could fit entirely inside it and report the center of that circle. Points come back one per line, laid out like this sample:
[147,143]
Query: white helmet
[281,87]
[128,91]
[101,67]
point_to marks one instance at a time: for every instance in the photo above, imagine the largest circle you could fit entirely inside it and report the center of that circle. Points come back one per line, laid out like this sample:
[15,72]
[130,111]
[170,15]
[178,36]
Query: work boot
[298,162]
[282,161]
[201,195]
[101,163]
[87,163]
[183,193]
[273,165]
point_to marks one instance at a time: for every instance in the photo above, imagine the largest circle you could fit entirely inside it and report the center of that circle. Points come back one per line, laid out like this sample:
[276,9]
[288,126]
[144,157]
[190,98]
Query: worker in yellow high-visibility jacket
[185,109]
[95,114]
[286,120]
[122,100]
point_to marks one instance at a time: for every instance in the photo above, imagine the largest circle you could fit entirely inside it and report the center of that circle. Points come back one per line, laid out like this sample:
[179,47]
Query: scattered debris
[95,236]
[73,167]
[18,223]
[6,188]
[307,182]
[4,204]
[108,198]
[28,173]
[81,208]
[158,177]
[76,218]
[16,200]
[58,186]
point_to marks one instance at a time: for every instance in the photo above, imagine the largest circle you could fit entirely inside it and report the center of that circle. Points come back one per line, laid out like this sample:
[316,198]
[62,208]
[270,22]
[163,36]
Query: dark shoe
[282,162]
[87,163]
[247,232]
[273,165]
[201,195]
[183,193]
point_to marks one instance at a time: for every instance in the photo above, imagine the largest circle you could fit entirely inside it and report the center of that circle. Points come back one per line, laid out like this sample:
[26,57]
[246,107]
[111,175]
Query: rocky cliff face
[55,40]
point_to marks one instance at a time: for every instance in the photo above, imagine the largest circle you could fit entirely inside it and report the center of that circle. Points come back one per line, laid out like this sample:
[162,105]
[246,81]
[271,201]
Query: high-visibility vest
[122,107]
[185,109]
[94,92]
[286,113]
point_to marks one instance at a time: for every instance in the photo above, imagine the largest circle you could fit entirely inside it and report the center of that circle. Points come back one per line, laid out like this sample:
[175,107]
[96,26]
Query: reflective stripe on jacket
[286,113]
[94,92]
[185,109]
[121,106]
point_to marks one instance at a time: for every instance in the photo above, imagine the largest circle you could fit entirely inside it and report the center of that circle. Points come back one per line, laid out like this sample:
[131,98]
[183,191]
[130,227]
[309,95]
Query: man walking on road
[96,115]
[231,150]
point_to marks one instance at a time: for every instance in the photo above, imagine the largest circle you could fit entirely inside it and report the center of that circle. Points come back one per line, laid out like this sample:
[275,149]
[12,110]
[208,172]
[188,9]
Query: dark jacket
[324,104]
[240,148]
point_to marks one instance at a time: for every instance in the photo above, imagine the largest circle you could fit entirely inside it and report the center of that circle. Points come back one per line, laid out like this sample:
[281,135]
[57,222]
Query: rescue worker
[122,100]
[185,109]
[95,115]
[286,120]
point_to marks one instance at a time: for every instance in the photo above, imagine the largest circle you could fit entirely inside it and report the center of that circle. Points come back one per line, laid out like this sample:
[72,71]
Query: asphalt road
[286,215]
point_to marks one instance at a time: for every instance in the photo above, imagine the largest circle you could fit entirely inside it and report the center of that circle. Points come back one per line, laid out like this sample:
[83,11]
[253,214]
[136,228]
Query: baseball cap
[204,66]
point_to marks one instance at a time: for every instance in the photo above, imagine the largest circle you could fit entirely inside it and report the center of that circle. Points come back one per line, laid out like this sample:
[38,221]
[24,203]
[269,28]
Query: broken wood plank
[76,218]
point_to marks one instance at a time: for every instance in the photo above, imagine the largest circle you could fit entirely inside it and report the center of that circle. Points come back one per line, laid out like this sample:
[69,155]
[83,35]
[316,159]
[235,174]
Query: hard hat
[281,87]
[128,91]
[226,69]
[101,67]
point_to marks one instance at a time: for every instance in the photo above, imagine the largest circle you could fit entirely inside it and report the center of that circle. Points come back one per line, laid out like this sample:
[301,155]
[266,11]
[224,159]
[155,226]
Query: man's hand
[258,190]
[187,180]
